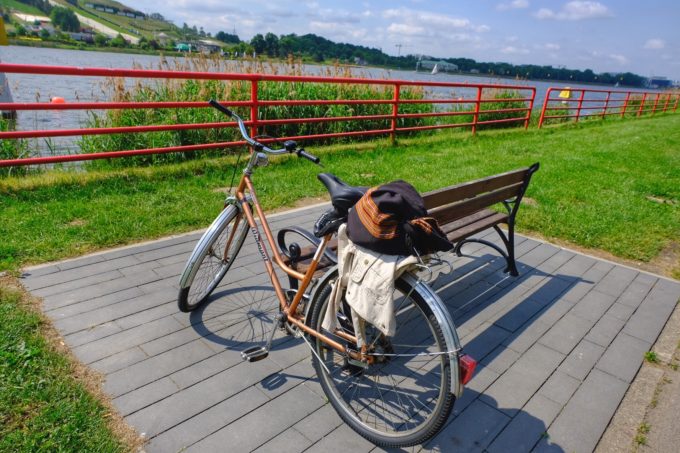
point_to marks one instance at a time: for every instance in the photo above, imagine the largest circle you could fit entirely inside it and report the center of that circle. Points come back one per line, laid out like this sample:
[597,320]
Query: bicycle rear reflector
[467,368]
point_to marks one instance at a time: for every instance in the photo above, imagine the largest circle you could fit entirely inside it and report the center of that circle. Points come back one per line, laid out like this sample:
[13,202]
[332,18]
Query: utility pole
[398,46]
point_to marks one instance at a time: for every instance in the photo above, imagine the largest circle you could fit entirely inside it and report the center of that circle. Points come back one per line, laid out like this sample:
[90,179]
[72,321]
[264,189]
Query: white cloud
[575,10]
[514,4]
[512,50]
[406,29]
[620,59]
[426,18]
[655,44]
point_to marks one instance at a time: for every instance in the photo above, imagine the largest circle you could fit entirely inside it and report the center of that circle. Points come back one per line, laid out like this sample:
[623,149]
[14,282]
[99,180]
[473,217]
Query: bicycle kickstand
[257,353]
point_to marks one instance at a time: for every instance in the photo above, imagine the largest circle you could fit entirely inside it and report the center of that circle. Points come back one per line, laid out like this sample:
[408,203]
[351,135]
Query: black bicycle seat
[343,196]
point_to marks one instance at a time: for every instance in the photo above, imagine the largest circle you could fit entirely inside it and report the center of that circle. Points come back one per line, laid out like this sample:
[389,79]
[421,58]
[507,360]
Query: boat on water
[435,69]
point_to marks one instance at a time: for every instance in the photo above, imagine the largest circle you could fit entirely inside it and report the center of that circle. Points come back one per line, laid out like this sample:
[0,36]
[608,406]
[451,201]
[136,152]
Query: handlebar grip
[220,107]
[302,153]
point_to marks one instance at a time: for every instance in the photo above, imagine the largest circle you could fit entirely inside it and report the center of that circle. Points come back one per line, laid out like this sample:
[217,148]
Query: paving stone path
[558,347]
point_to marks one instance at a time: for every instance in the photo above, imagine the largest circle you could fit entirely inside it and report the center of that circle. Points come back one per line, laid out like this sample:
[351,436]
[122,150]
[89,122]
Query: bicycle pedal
[254,354]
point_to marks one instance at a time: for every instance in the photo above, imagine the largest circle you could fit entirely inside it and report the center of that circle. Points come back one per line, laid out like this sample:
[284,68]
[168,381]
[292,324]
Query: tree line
[321,49]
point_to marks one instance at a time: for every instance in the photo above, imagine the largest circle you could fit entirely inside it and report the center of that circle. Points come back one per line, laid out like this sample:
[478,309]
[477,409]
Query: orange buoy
[57,100]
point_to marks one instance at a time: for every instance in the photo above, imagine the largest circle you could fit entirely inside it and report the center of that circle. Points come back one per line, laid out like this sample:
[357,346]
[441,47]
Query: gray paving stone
[559,387]
[70,285]
[132,402]
[93,334]
[181,406]
[483,340]
[637,291]
[80,262]
[500,359]
[582,359]
[289,408]
[585,417]
[620,311]
[207,422]
[616,281]
[514,388]
[473,430]
[318,424]
[153,368]
[624,357]
[566,333]
[119,361]
[650,317]
[527,428]
[341,439]
[93,304]
[147,316]
[482,379]
[38,271]
[289,441]
[605,330]
[97,350]
[593,305]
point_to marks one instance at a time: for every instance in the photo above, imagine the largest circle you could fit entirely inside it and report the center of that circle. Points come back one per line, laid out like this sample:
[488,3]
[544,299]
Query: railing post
[530,109]
[475,118]
[395,113]
[665,105]
[642,103]
[677,100]
[544,107]
[254,113]
[580,105]
[625,105]
[606,104]
[656,102]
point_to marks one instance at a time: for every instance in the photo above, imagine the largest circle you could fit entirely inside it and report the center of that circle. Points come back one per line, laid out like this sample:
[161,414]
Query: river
[39,88]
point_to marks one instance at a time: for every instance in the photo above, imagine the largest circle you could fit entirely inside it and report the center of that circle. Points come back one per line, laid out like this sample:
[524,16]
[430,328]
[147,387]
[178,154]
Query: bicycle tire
[348,386]
[205,268]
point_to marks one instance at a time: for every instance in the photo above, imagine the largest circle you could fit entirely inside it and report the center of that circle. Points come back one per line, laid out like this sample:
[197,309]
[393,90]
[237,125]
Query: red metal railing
[483,97]
[580,103]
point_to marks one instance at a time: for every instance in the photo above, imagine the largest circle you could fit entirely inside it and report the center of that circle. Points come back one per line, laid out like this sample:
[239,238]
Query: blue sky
[605,36]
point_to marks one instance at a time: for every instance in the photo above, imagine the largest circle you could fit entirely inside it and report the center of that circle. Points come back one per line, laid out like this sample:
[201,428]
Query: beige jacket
[366,278]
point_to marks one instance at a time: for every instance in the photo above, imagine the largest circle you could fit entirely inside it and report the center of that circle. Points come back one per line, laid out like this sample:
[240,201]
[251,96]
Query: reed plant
[171,90]
[12,149]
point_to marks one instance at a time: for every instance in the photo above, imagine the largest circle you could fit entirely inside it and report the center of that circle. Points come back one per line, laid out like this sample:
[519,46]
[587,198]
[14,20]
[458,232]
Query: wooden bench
[464,210]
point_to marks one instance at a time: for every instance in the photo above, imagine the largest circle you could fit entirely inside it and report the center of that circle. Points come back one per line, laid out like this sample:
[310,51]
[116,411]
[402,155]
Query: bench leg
[508,241]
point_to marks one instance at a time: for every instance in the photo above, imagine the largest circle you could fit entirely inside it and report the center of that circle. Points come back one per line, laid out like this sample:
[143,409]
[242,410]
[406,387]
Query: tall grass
[170,90]
[12,149]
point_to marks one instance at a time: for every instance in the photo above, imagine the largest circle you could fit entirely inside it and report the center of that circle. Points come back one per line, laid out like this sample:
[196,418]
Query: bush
[12,149]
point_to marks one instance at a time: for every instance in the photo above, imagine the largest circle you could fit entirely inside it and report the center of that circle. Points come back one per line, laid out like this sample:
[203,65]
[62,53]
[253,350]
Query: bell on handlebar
[290,145]
[261,160]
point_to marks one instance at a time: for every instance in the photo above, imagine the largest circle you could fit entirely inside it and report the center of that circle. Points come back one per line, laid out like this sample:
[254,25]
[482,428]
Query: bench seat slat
[476,227]
[470,189]
[465,221]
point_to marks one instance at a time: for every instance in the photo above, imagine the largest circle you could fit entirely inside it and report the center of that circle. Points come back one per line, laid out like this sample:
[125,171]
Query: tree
[227,37]
[100,40]
[271,44]
[65,19]
[119,41]
[258,43]
[44,34]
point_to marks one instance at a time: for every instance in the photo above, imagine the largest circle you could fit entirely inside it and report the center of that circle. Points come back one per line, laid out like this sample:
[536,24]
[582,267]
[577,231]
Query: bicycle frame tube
[288,308]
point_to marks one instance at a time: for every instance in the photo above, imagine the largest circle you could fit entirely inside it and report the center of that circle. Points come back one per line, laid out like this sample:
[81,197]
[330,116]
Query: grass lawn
[43,407]
[612,185]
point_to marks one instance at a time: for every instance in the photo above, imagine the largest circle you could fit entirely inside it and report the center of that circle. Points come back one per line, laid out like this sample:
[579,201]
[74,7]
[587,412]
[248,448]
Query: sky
[606,36]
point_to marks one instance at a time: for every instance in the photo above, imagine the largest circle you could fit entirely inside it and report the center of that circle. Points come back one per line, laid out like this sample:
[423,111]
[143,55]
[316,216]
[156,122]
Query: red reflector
[467,368]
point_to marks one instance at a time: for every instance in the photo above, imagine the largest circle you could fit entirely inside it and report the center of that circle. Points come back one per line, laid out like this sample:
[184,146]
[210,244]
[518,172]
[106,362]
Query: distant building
[207,46]
[659,82]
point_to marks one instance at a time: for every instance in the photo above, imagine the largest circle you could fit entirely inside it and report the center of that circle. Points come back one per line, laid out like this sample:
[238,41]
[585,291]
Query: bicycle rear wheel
[211,259]
[405,397]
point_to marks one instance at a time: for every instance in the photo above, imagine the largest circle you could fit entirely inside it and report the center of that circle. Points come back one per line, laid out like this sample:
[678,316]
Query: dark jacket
[392,219]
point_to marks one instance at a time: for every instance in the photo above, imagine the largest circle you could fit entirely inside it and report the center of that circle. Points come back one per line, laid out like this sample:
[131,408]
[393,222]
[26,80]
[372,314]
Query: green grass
[22,7]
[612,185]
[42,407]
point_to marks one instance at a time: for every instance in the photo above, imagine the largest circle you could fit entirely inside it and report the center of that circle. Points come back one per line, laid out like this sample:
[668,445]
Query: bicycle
[396,391]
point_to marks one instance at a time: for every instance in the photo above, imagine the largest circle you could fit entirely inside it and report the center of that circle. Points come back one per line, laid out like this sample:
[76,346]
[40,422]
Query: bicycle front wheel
[212,257]
[405,396]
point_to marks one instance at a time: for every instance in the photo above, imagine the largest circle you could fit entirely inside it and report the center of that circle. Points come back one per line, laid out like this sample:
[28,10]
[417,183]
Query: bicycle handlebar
[260,146]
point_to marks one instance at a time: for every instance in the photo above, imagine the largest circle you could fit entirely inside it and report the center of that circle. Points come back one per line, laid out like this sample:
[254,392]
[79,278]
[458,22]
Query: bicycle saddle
[343,196]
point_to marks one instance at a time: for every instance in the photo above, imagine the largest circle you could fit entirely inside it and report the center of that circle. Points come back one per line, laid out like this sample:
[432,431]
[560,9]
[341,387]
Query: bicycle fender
[445,322]
[207,236]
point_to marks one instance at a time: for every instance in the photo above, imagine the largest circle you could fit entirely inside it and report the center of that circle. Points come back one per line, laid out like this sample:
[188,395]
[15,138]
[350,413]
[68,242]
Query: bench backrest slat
[473,188]
[456,210]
